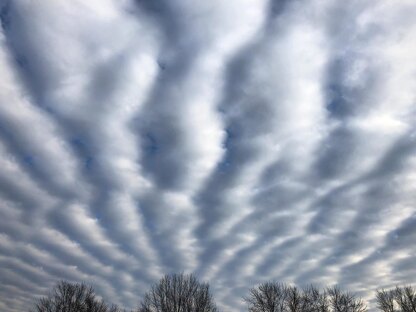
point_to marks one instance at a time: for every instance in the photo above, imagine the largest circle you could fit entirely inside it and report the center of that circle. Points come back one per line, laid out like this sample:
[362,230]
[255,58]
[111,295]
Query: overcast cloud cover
[243,140]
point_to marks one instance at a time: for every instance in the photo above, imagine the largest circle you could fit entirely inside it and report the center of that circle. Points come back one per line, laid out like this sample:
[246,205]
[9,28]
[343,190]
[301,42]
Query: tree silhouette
[68,297]
[345,301]
[178,293]
[278,297]
[400,299]
[267,297]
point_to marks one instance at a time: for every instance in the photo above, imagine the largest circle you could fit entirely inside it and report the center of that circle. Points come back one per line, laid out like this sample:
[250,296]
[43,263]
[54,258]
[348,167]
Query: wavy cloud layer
[243,140]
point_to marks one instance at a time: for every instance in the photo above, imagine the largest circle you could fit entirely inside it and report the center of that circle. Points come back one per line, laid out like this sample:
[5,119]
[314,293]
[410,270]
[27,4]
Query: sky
[240,140]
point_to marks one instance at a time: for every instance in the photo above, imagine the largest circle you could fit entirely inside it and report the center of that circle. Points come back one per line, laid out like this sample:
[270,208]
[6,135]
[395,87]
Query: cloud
[244,141]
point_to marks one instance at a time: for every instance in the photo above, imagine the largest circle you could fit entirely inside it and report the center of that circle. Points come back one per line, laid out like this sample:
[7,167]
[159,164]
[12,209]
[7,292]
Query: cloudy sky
[242,140]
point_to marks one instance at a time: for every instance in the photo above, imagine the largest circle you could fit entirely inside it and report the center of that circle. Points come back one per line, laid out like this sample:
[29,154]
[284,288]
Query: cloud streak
[240,140]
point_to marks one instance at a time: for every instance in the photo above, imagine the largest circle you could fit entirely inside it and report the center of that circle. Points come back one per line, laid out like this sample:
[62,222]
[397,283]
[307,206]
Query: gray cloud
[242,140]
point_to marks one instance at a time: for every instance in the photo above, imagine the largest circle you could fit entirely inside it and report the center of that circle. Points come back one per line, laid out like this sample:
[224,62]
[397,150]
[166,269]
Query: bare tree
[345,301]
[314,300]
[294,299]
[406,298]
[68,297]
[400,299]
[178,293]
[267,297]
[385,300]
[277,297]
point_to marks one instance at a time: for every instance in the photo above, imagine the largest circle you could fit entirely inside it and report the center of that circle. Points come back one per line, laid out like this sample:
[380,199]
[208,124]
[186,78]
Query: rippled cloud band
[242,140]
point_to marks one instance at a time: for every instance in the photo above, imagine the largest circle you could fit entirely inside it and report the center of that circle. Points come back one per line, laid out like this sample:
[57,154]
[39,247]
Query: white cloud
[241,140]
